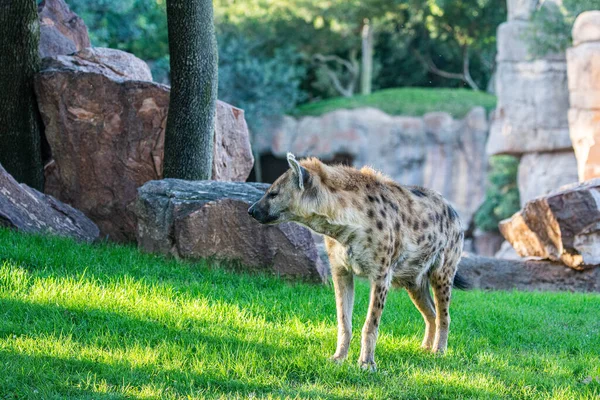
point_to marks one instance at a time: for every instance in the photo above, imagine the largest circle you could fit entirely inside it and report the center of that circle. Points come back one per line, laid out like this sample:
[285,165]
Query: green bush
[502,194]
[264,85]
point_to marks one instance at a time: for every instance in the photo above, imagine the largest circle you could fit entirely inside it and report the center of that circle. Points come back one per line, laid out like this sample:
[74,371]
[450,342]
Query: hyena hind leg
[441,282]
[421,297]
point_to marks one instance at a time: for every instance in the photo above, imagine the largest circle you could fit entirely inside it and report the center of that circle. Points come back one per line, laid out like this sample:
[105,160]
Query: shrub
[502,194]
[264,85]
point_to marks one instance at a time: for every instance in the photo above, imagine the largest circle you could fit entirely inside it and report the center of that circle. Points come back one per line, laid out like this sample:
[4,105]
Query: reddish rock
[203,219]
[61,30]
[562,226]
[27,210]
[105,123]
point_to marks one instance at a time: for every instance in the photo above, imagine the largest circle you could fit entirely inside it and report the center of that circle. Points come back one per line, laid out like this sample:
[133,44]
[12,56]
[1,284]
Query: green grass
[406,101]
[107,322]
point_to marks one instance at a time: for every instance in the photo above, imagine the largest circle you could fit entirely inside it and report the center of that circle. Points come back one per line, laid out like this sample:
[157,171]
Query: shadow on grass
[86,376]
[88,329]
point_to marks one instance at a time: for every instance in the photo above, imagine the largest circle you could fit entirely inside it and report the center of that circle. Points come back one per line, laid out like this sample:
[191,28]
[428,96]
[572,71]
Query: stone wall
[583,61]
[435,150]
[531,119]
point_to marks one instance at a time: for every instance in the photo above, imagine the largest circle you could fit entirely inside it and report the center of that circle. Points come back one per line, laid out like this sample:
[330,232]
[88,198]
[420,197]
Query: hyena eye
[273,194]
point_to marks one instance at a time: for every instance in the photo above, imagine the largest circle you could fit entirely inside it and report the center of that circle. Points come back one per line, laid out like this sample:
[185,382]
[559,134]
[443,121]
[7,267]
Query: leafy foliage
[502,194]
[264,86]
[436,28]
[552,25]
[135,26]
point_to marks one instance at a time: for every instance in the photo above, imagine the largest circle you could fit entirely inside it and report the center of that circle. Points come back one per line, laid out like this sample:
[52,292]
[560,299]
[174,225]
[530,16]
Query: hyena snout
[261,214]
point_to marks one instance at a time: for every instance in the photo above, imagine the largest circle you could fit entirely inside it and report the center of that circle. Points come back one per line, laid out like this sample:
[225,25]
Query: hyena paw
[370,366]
[337,358]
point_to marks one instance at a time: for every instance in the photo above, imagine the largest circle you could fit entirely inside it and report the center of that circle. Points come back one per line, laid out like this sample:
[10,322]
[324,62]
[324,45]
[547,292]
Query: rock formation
[531,119]
[563,226]
[208,219]
[105,122]
[584,86]
[27,210]
[61,30]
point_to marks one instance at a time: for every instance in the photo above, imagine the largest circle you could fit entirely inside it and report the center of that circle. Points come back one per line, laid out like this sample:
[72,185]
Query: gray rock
[532,112]
[27,210]
[542,173]
[105,123]
[491,273]
[209,219]
[114,64]
[61,30]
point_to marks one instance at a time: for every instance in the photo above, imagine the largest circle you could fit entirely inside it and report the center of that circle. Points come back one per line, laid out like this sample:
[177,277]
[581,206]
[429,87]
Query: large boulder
[562,226]
[105,123]
[436,150]
[27,210]
[209,219]
[491,273]
[543,173]
[61,30]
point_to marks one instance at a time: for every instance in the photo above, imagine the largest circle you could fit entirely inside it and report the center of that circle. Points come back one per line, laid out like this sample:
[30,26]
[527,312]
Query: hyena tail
[461,283]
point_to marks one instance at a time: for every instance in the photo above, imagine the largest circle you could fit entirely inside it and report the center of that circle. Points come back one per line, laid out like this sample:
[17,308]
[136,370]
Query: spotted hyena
[405,236]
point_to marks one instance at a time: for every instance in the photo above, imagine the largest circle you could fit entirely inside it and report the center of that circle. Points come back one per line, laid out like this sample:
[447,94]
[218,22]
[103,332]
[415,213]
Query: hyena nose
[251,211]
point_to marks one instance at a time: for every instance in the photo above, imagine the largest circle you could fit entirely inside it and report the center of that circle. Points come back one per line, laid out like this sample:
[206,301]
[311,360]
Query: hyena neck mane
[332,203]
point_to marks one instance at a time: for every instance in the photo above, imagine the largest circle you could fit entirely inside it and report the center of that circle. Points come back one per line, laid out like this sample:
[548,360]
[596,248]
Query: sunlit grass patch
[406,101]
[80,321]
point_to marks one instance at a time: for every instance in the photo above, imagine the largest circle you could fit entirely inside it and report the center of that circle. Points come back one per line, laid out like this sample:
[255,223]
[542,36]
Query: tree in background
[502,194]
[328,36]
[467,28]
[189,138]
[553,23]
[20,125]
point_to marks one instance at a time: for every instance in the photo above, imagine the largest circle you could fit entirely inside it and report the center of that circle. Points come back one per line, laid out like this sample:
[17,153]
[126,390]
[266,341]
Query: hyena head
[286,199]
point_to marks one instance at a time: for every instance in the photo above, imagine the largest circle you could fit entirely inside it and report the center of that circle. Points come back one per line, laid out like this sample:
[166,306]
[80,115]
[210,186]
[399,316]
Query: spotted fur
[391,234]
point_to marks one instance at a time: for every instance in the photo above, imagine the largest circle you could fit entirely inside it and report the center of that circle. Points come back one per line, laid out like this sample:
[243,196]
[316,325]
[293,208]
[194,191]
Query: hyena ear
[300,173]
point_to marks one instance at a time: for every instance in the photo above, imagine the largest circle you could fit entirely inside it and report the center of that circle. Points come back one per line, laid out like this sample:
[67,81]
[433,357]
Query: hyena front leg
[421,298]
[379,291]
[343,283]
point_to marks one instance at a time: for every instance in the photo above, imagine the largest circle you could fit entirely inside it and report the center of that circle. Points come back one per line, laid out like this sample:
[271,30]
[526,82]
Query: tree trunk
[20,124]
[189,139]
[367,58]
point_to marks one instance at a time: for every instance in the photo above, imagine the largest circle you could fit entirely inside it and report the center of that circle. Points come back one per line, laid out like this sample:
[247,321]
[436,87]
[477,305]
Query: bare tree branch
[465,76]
[351,66]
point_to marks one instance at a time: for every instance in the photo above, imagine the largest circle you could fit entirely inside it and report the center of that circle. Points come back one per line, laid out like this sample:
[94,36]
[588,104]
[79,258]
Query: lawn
[406,101]
[106,322]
